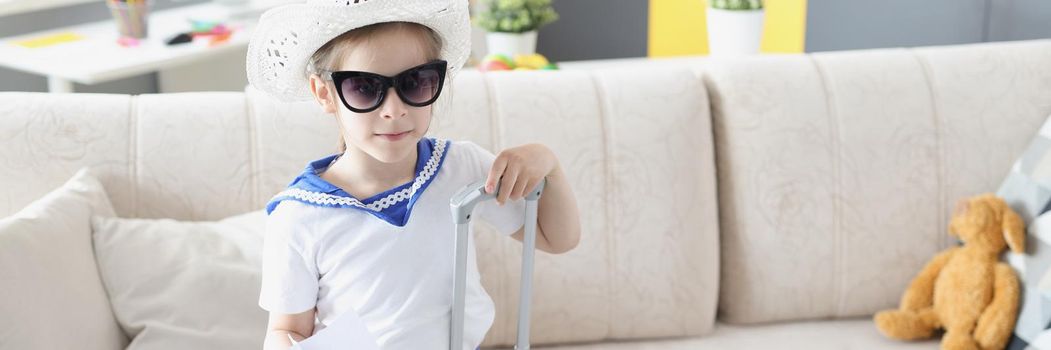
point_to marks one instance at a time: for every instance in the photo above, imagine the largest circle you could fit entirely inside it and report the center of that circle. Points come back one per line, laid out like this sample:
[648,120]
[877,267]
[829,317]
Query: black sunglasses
[363,92]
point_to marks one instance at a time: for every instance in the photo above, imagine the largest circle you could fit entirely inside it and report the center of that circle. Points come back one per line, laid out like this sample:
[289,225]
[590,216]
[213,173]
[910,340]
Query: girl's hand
[519,170]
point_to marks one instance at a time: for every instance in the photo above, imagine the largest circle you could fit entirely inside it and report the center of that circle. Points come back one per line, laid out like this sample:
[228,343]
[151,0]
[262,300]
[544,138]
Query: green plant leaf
[515,16]
[736,5]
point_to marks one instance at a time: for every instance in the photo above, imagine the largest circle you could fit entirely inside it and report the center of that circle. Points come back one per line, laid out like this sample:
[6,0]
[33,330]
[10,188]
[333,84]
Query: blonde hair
[334,51]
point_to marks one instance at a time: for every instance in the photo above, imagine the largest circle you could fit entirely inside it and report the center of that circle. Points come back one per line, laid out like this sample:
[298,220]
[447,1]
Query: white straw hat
[286,36]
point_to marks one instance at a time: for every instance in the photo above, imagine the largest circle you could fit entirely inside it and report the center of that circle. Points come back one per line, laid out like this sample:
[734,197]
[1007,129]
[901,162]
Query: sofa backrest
[647,263]
[838,171]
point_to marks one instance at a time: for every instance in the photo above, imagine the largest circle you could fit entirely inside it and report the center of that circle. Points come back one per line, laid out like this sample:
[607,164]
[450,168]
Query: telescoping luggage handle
[462,205]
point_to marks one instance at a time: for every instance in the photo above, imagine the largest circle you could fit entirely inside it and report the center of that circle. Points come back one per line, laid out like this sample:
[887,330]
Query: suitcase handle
[462,205]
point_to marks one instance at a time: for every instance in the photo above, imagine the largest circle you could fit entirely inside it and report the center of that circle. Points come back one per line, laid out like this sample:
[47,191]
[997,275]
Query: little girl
[368,230]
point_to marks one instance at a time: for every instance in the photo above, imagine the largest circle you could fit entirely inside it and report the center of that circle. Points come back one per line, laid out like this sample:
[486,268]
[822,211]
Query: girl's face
[389,133]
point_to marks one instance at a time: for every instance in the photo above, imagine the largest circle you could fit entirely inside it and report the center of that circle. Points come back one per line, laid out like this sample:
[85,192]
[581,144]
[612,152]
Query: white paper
[348,332]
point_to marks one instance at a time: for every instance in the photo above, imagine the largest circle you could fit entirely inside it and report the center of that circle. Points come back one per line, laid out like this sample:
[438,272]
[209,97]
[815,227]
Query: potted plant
[512,24]
[735,27]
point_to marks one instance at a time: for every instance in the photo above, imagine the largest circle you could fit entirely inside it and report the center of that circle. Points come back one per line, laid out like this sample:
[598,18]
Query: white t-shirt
[325,249]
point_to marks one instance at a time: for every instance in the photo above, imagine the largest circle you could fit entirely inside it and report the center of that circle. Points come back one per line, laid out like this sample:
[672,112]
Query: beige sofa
[764,202]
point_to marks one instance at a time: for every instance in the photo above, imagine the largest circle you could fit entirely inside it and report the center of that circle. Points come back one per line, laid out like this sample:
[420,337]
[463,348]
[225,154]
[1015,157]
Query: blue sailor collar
[311,189]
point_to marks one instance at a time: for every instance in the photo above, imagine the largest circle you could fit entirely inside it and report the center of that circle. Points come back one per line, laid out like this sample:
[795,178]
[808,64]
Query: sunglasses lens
[362,92]
[420,86]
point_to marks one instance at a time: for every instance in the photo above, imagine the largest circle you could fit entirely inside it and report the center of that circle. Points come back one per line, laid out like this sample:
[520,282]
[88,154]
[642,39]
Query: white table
[98,58]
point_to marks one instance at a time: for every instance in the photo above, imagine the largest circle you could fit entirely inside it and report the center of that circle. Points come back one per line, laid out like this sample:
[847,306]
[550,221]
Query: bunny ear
[1014,229]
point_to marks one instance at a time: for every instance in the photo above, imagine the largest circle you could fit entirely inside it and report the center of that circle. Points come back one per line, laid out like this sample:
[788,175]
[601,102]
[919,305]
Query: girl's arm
[282,326]
[520,170]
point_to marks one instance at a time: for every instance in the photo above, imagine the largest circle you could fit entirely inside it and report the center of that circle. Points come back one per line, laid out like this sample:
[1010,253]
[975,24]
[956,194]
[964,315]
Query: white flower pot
[511,44]
[734,33]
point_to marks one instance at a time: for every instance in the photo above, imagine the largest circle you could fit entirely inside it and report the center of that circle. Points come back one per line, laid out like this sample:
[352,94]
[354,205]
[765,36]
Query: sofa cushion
[814,335]
[647,261]
[207,176]
[663,216]
[46,137]
[184,285]
[51,296]
[838,171]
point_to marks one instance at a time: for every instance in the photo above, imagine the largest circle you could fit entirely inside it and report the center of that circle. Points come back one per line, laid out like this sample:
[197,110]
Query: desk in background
[97,57]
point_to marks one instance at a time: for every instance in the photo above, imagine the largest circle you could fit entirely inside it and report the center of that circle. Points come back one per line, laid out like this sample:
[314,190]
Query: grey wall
[859,24]
[11,80]
[1019,19]
[596,29]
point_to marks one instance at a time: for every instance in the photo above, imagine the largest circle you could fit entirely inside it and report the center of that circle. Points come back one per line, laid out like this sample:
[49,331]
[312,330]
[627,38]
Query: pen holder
[130,16]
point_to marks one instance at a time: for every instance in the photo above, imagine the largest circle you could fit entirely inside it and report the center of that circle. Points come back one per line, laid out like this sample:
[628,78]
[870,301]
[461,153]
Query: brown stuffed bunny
[965,290]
